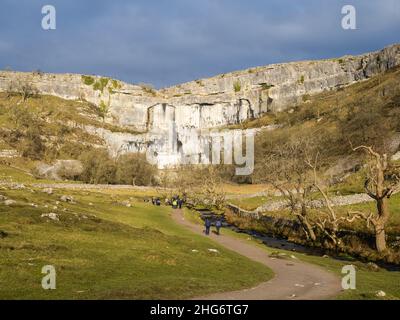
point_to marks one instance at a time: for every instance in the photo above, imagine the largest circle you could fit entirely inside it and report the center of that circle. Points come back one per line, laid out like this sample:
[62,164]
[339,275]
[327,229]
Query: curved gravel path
[293,279]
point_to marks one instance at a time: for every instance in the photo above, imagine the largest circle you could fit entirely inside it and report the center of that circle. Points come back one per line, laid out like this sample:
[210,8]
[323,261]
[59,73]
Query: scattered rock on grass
[373,266]
[380,294]
[126,203]
[10,202]
[48,190]
[18,186]
[52,216]
[213,250]
[66,198]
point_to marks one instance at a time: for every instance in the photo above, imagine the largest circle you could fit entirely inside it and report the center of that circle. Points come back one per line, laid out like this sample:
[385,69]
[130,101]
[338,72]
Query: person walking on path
[218,225]
[207,224]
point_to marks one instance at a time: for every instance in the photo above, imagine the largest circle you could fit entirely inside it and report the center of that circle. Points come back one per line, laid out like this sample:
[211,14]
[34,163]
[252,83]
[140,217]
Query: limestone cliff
[208,103]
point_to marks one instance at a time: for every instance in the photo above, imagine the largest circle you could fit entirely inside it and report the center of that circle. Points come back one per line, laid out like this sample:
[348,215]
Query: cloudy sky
[167,42]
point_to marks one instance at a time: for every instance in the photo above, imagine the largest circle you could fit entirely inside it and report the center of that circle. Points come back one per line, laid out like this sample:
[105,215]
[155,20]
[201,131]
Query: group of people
[208,224]
[176,202]
[156,201]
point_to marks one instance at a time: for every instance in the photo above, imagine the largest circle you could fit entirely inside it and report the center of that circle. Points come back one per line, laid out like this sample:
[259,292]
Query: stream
[280,243]
[267,240]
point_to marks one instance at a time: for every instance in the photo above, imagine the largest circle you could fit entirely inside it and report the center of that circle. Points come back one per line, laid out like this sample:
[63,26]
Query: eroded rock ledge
[208,103]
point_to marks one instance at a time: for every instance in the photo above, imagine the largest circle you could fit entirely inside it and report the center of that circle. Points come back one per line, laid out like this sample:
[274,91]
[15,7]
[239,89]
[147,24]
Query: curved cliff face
[217,101]
[277,87]
[208,103]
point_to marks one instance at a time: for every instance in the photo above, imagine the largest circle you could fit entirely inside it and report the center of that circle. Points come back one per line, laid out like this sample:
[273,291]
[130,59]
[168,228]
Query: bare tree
[286,169]
[380,188]
[327,220]
[212,188]
[202,186]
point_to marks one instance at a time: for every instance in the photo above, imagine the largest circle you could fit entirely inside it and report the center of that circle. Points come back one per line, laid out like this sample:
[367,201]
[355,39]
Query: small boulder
[126,203]
[52,216]
[66,198]
[380,294]
[373,267]
[48,191]
[10,202]
[213,250]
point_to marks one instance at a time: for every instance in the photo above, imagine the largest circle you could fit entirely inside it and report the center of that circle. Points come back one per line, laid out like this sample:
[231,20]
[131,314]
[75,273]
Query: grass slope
[104,250]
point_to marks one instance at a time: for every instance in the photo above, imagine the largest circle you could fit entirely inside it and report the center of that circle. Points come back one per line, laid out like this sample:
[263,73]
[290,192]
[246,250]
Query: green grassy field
[102,249]
[368,282]
[250,203]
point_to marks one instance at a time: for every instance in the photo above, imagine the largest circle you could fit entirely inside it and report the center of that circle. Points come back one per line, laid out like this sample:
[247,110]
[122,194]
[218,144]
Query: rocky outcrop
[61,169]
[208,103]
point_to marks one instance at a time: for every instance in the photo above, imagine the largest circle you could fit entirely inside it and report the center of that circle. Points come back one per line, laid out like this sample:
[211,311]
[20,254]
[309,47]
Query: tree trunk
[309,229]
[306,224]
[380,235]
[380,238]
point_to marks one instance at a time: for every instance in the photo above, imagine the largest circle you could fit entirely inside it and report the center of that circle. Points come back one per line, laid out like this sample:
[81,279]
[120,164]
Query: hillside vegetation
[364,113]
[109,245]
[43,129]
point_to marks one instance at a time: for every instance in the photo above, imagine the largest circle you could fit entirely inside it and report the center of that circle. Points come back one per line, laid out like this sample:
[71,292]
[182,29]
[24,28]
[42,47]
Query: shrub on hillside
[22,87]
[237,86]
[100,168]
[32,146]
[134,169]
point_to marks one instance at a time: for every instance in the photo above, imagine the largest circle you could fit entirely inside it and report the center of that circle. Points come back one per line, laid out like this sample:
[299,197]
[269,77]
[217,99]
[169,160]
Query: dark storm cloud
[167,42]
